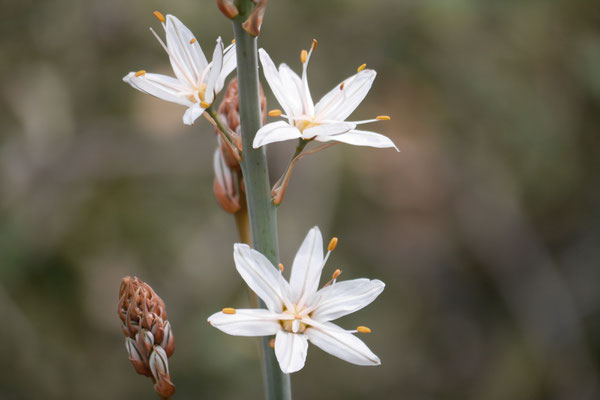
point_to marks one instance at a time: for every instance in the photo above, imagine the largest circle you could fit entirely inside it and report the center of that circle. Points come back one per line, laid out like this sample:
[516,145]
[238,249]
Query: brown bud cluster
[148,336]
[228,185]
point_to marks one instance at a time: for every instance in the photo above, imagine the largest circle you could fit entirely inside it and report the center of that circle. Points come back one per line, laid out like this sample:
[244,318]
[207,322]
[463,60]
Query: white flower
[324,121]
[197,81]
[296,311]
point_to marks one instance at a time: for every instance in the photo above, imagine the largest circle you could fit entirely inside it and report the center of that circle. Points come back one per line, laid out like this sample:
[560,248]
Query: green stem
[262,213]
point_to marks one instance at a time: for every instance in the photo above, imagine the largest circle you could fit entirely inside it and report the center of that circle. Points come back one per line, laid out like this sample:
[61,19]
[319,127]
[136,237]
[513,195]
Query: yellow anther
[232,41]
[193,41]
[274,113]
[298,317]
[303,56]
[332,244]
[204,104]
[140,73]
[342,86]
[281,267]
[229,311]
[363,66]
[383,117]
[272,343]
[314,44]
[336,273]
[363,329]
[159,16]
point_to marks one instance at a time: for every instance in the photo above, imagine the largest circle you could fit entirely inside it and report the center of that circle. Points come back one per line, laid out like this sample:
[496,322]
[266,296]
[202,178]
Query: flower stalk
[261,211]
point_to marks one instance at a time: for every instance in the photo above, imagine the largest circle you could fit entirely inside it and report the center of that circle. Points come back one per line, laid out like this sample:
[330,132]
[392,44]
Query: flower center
[293,326]
[305,124]
[198,94]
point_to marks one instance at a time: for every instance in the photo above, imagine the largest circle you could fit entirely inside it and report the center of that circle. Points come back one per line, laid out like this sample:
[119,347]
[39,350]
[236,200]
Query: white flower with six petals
[197,81]
[324,121]
[297,311]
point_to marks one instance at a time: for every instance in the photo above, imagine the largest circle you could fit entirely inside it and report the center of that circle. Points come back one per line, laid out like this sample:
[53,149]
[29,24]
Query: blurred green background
[485,228]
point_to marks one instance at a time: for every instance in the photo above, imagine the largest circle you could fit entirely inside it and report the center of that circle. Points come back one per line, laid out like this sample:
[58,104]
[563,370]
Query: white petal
[345,297]
[253,322]
[229,64]
[339,104]
[261,276]
[327,129]
[215,71]
[187,58]
[307,266]
[192,114]
[275,132]
[360,138]
[336,341]
[161,86]
[292,90]
[290,350]
[284,89]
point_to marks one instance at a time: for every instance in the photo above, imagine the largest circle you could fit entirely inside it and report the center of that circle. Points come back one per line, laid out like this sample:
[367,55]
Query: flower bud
[136,358]
[229,112]
[253,23]
[148,336]
[159,365]
[226,185]
[228,8]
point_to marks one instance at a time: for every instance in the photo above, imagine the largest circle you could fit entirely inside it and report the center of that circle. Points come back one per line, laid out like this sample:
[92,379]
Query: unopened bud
[253,23]
[159,365]
[226,185]
[228,8]
[140,363]
[168,341]
[148,335]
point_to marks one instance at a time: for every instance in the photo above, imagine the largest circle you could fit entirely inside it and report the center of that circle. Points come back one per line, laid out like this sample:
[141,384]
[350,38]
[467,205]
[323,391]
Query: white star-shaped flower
[297,311]
[197,81]
[324,121]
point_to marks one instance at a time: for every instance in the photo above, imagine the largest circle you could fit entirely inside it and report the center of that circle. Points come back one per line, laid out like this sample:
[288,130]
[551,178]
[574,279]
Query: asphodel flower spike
[297,311]
[324,121]
[196,80]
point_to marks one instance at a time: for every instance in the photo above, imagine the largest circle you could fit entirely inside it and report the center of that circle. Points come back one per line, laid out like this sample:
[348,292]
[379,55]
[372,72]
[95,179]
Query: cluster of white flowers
[297,311]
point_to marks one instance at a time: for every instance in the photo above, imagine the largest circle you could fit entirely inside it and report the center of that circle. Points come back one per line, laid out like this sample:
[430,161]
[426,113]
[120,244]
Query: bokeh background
[485,227]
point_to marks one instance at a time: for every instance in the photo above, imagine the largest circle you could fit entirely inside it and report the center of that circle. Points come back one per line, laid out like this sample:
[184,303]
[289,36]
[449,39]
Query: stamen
[229,311]
[193,41]
[272,343]
[383,117]
[314,44]
[232,41]
[303,56]
[363,66]
[332,244]
[204,104]
[274,113]
[280,267]
[140,73]
[363,329]
[159,16]
[342,86]
[336,274]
